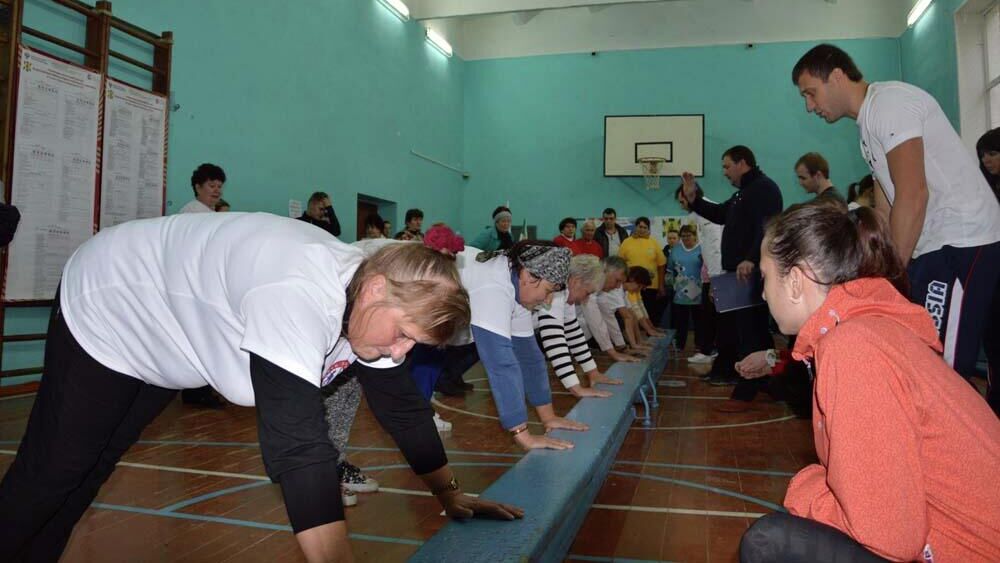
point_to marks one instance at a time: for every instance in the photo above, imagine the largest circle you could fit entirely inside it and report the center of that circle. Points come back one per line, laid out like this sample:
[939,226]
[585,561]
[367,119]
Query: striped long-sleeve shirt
[563,340]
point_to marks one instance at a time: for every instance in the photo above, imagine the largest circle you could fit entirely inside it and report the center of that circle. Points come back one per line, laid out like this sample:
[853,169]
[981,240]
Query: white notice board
[133,171]
[54,177]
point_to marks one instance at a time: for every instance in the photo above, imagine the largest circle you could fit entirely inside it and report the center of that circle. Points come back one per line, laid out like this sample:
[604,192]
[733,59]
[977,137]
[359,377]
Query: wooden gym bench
[555,488]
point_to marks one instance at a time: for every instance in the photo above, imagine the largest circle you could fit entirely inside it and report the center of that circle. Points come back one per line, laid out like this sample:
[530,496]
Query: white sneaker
[349,497]
[700,358]
[442,424]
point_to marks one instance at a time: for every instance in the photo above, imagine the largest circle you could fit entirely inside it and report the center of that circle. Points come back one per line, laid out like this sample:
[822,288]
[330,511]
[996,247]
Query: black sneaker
[352,479]
[449,388]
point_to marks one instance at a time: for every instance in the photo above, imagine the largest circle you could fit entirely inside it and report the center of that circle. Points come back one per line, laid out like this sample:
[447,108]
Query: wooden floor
[684,490]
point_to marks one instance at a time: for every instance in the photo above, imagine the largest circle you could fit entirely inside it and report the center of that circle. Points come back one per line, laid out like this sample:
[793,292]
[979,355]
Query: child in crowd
[639,279]
[684,266]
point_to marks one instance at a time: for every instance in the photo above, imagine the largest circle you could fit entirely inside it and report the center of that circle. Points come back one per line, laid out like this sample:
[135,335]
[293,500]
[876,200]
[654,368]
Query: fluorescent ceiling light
[918,10]
[439,42]
[397,7]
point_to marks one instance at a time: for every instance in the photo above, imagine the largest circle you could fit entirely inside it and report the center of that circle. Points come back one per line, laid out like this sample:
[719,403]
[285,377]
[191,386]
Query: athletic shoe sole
[369,486]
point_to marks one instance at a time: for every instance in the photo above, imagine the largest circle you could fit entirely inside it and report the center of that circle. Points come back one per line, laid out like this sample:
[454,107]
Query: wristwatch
[772,357]
[451,486]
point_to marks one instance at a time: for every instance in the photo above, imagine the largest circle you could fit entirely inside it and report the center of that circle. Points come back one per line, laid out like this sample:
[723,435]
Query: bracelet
[516,432]
[451,486]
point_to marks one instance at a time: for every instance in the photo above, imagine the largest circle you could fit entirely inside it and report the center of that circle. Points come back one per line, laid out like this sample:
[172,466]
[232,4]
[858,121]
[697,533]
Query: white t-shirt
[195,206]
[611,300]
[491,295]
[961,209]
[614,242]
[181,301]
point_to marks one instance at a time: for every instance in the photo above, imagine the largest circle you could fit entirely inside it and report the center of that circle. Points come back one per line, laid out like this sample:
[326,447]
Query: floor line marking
[21,396]
[244,523]
[693,485]
[767,472]
[170,511]
[173,469]
[718,426]
[686,511]
[209,496]
[456,464]
[439,404]
[599,559]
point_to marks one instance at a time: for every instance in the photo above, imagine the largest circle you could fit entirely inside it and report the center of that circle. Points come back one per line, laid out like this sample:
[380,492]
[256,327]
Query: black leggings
[782,538]
[84,418]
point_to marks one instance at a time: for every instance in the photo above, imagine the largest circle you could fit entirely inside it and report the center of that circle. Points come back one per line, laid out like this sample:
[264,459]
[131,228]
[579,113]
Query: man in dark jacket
[611,235]
[743,217]
[319,212]
[9,218]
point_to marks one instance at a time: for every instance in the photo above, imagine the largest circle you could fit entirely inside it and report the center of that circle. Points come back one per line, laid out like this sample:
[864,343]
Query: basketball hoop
[652,168]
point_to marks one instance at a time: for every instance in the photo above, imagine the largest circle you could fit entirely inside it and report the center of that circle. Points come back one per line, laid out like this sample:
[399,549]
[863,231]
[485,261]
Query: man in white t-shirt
[206,181]
[944,219]
[266,310]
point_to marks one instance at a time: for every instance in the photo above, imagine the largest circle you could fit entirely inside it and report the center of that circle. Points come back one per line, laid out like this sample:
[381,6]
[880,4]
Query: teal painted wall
[534,127]
[290,99]
[929,58]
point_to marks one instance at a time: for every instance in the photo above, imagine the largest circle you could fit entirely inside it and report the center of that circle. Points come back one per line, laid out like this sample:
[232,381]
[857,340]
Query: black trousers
[84,418]
[457,361]
[681,319]
[957,287]
[704,334]
[783,538]
[740,333]
[655,305]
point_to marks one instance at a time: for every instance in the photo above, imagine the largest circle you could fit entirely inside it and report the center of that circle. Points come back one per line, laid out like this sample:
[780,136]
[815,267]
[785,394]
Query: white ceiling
[486,29]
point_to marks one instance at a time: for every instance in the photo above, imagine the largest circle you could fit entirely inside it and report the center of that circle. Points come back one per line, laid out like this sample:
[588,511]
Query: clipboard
[731,294]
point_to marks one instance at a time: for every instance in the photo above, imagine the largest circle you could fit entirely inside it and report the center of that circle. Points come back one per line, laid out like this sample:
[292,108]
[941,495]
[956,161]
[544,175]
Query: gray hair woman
[600,320]
[562,338]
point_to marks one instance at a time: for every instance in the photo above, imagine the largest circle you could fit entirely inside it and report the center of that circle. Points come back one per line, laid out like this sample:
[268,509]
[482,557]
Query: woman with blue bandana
[504,287]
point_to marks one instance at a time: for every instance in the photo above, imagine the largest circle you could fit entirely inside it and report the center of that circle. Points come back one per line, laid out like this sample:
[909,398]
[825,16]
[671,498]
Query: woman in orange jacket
[908,450]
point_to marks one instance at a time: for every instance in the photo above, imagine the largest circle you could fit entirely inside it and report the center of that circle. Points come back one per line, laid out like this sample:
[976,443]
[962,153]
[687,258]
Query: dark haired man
[743,217]
[943,217]
[319,212]
[813,172]
[612,235]
[206,182]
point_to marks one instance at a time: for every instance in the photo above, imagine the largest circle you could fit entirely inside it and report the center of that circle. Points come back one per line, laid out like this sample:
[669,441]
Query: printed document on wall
[54,175]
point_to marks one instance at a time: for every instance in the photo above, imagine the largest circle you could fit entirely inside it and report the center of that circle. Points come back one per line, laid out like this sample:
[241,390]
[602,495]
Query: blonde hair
[588,269]
[422,282]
